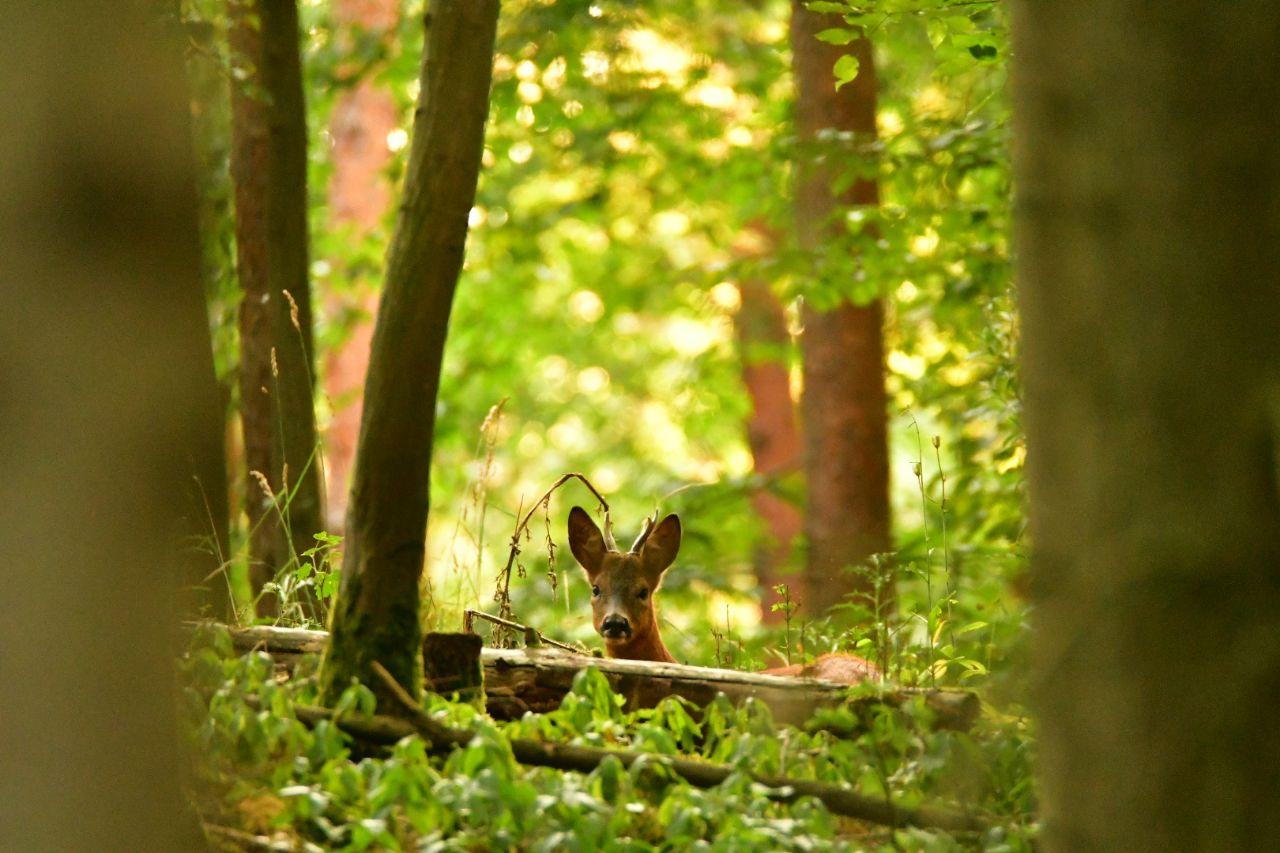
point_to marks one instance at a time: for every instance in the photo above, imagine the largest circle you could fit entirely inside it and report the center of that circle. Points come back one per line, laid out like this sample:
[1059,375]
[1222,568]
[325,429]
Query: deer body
[622,598]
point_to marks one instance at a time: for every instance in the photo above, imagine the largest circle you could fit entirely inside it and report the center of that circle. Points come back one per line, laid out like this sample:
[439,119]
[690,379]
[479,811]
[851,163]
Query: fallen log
[537,679]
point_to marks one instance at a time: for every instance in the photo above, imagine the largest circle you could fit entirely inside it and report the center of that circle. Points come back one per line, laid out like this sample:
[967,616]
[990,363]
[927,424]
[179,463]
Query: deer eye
[595,591]
[642,594]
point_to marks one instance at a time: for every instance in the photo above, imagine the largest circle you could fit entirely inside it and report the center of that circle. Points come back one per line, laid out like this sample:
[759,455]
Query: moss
[358,638]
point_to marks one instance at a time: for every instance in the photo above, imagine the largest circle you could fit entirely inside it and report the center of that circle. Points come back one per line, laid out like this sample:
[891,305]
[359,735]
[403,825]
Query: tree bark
[359,198]
[843,406]
[1148,166]
[106,384]
[269,166]
[772,432]
[377,616]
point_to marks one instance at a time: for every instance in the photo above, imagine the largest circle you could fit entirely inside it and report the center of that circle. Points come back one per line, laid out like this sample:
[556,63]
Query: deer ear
[659,549]
[585,541]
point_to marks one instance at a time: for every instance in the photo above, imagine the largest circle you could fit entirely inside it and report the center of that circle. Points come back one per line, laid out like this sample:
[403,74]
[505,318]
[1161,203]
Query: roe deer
[622,592]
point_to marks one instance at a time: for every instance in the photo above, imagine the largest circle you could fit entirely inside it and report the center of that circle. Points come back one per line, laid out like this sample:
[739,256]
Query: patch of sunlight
[397,139]
[628,323]
[738,461]
[655,54]
[933,346]
[712,96]
[931,100]
[910,366]
[525,117]
[795,383]
[960,374]
[562,138]
[572,109]
[726,296]
[569,434]
[924,245]
[527,70]
[557,70]
[487,158]
[530,445]
[714,149]
[771,31]
[739,136]
[907,291]
[593,380]
[503,65]
[670,223]
[691,337]
[889,123]
[476,217]
[659,433]
[624,228]
[529,92]
[606,478]
[595,66]
[586,306]
[520,152]
[624,141]
[1016,460]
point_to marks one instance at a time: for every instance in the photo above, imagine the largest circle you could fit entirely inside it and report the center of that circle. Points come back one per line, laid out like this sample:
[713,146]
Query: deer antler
[649,524]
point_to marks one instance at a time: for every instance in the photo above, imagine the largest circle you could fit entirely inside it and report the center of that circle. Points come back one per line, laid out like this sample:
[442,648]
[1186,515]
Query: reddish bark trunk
[359,197]
[844,401]
[772,432]
[268,166]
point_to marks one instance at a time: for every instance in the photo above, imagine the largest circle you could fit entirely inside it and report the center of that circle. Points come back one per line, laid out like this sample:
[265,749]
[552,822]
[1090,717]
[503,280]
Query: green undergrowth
[260,770]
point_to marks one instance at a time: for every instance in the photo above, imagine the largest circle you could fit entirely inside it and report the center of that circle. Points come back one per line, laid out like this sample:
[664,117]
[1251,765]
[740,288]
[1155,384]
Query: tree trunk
[269,165]
[108,413]
[772,431]
[843,405]
[377,616]
[1148,167]
[359,198]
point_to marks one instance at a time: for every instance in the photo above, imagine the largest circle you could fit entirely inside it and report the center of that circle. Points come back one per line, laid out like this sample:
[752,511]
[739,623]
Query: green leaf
[845,69]
[825,6]
[837,35]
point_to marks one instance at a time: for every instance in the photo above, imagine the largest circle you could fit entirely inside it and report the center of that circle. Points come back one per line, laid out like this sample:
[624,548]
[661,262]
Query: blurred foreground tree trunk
[269,166]
[772,431]
[109,410]
[843,405]
[1148,167]
[359,198]
[377,613]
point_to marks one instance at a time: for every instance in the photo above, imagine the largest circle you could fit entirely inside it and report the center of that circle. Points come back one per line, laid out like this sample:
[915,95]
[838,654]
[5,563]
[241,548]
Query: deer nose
[615,627]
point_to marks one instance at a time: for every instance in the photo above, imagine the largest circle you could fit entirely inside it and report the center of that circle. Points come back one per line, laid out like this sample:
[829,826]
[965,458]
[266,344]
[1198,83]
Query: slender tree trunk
[106,385]
[269,163]
[211,129]
[843,405]
[359,198]
[377,618]
[772,431]
[1148,166]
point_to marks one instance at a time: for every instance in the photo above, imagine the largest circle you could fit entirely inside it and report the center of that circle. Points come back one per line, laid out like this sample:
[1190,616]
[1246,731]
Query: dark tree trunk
[843,406]
[107,411]
[359,197]
[377,616]
[1148,167]
[772,431]
[268,164]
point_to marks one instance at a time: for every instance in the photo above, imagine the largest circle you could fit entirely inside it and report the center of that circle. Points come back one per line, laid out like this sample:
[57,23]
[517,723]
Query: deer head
[623,584]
